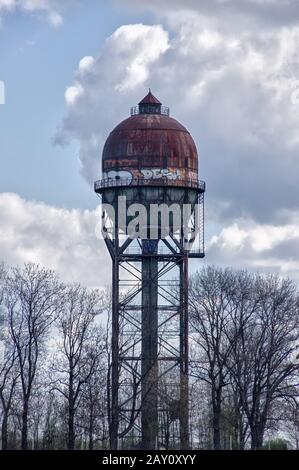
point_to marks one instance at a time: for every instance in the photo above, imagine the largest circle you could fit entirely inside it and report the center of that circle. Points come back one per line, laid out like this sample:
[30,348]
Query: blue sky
[37,63]
[229,70]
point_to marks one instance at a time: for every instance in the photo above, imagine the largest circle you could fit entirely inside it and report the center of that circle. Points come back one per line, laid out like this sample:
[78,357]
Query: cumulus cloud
[234,92]
[261,247]
[265,12]
[68,242]
[105,87]
[52,8]
[60,239]
[7,4]
[229,71]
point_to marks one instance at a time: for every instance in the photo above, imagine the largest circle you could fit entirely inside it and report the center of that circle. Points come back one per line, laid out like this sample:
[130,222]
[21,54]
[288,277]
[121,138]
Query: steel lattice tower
[150,159]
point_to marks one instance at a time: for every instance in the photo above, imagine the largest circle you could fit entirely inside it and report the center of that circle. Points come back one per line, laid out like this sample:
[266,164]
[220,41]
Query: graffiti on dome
[150,174]
[119,175]
[158,173]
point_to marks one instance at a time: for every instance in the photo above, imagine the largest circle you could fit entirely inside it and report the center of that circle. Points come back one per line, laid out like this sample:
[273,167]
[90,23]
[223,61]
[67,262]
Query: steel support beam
[149,341]
[184,356]
[149,360]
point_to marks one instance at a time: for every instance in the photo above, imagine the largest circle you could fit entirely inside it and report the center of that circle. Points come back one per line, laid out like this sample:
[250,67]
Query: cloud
[105,86]
[66,241]
[232,79]
[52,8]
[60,239]
[265,12]
[233,91]
[7,4]
[264,247]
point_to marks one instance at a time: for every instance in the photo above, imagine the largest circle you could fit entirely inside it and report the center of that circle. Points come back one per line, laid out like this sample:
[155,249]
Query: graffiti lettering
[157,173]
[117,175]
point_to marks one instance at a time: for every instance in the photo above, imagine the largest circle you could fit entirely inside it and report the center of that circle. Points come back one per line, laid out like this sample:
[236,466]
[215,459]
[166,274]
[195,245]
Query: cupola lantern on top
[150,104]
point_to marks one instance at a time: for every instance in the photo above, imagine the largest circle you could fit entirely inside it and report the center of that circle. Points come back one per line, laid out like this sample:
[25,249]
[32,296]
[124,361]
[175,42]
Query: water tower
[151,160]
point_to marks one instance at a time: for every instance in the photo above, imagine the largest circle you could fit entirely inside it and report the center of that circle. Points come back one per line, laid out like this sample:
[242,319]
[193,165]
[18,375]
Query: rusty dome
[150,147]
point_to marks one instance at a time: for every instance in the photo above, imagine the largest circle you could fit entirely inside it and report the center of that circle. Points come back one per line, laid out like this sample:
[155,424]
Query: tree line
[55,356]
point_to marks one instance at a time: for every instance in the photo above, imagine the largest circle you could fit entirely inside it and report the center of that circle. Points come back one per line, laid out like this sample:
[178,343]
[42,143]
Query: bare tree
[244,303]
[54,422]
[8,380]
[92,412]
[80,348]
[263,361]
[8,372]
[32,301]
[210,302]
[246,331]
[289,408]
[244,363]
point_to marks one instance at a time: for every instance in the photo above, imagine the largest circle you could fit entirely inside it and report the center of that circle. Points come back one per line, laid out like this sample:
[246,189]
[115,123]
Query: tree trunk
[90,433]
[241,440]
[71,430]
[4,431]
[71,404]
[91,422]
[167,435]
[257,437]
[36,439]
[90,442]
[24,444]
[216,404]
[216,433]
[240,432]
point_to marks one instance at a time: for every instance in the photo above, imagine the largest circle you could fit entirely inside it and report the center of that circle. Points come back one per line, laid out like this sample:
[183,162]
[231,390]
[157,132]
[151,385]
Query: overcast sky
[228,69]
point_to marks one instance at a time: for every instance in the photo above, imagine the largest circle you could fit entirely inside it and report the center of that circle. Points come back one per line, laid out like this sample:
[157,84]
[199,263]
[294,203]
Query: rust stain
[153,142]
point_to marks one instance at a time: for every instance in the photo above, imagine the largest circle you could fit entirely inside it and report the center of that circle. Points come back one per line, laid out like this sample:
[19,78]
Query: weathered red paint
[155,143]
[150,99]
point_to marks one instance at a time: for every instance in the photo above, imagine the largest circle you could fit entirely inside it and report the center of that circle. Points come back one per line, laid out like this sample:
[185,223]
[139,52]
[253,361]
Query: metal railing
[121,182]
[164,110]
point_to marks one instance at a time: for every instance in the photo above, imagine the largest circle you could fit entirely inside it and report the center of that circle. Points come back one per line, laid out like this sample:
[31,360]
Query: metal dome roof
[149,121]
[161,139]
[150,144]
